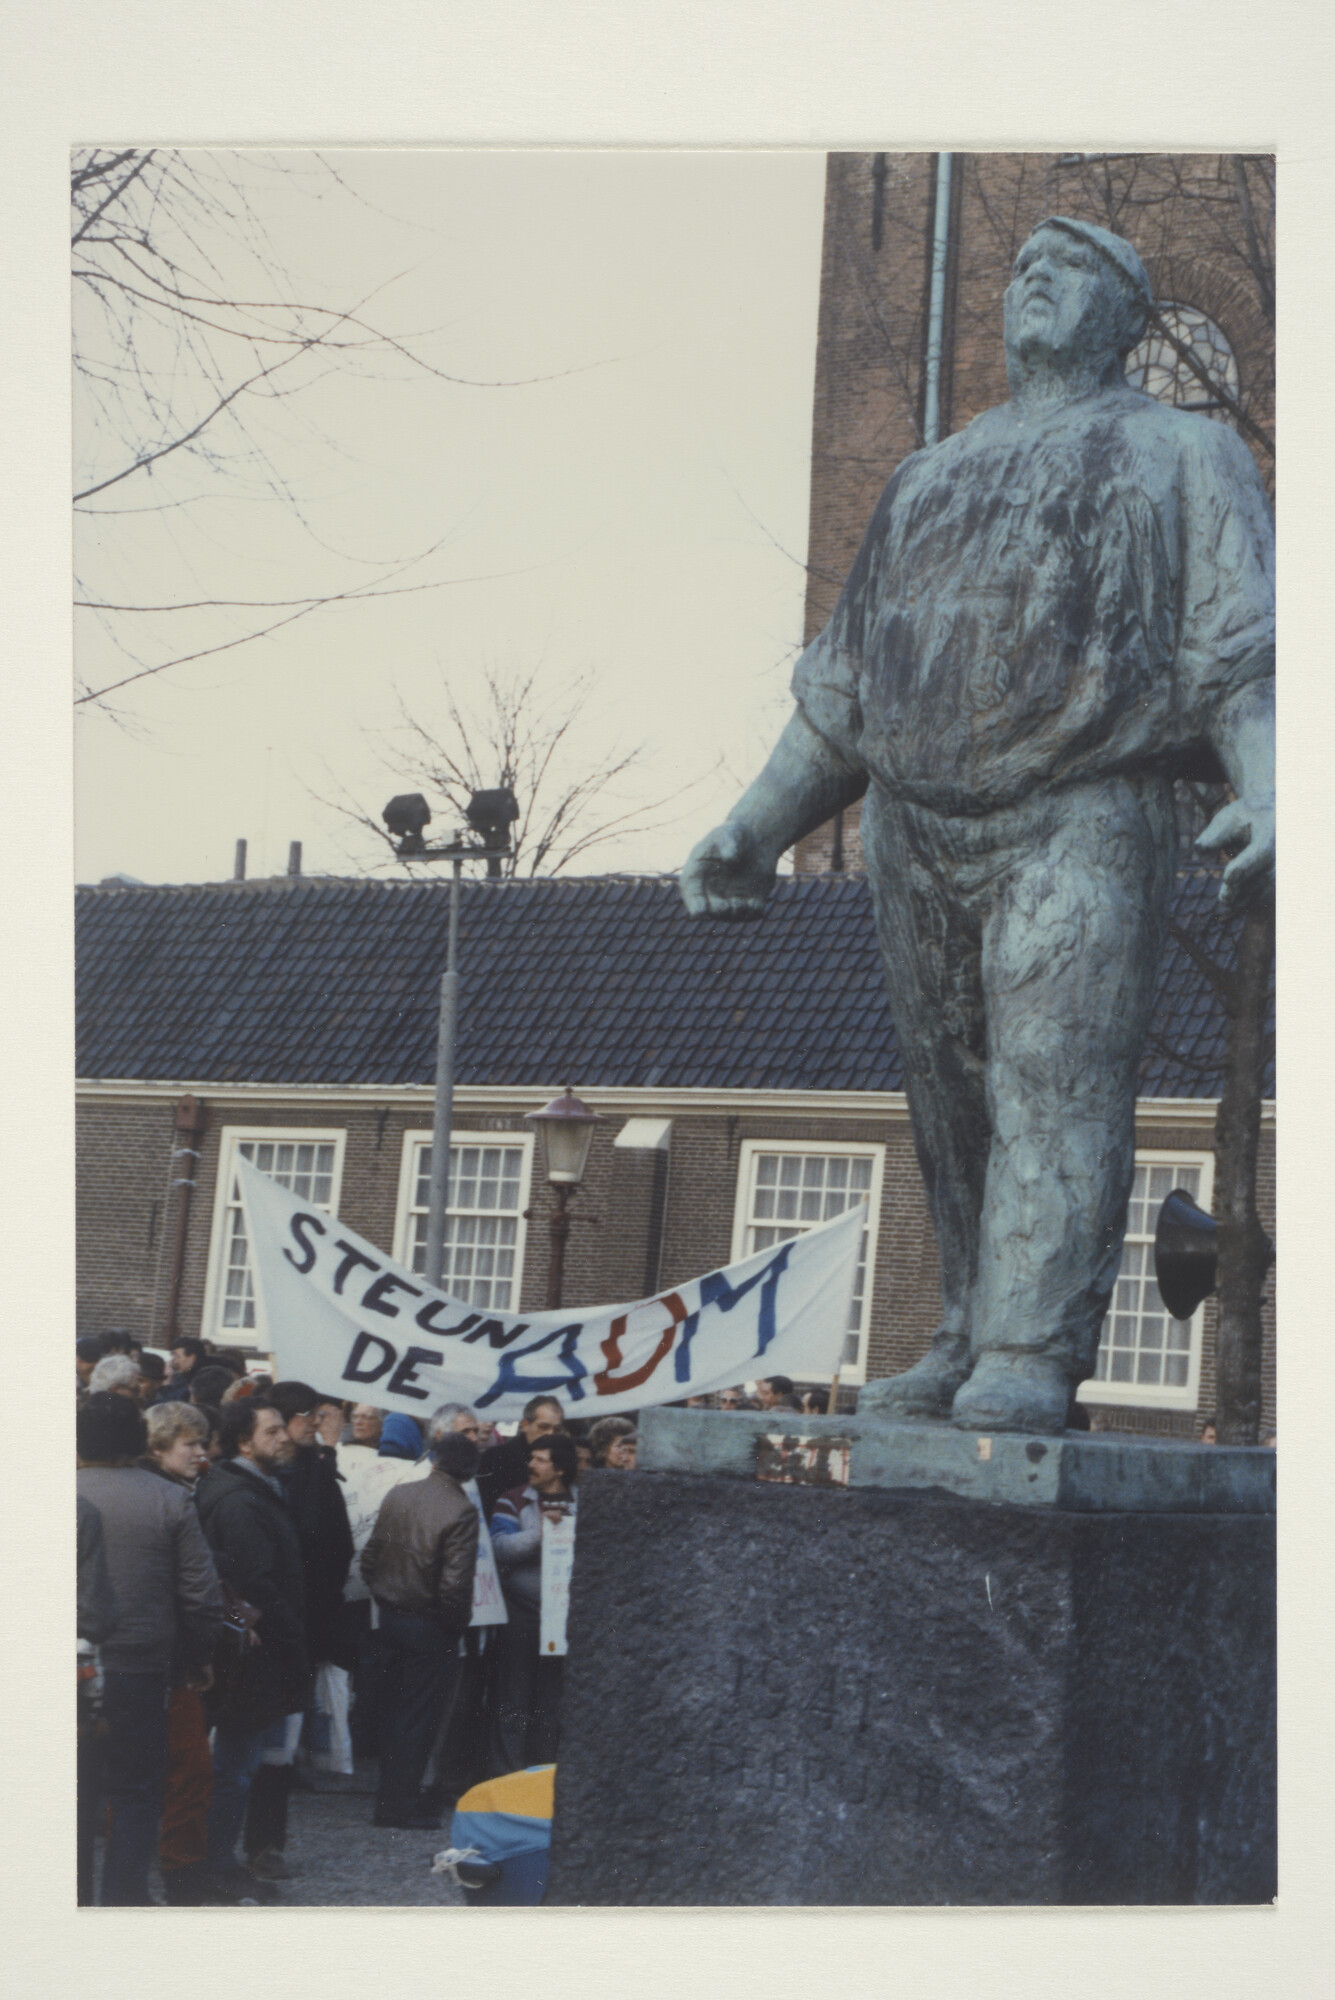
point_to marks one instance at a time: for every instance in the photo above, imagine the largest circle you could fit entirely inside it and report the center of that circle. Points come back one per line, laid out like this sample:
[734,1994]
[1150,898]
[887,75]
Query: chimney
[294,857]
[239,865]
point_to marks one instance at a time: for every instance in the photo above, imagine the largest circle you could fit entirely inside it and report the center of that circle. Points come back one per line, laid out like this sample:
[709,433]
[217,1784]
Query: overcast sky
[643,515]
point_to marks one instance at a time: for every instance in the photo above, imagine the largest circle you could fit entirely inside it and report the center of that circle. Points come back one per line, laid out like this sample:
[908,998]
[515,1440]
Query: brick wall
[124,1148]
[123,1213]
[659,1218]
[120,1174]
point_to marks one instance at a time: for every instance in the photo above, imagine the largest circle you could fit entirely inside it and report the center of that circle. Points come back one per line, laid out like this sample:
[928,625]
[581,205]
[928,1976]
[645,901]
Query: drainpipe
[877,200]
[188,1136]
[936,308]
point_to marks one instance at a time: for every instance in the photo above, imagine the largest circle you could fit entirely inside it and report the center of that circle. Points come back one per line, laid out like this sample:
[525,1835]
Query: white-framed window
[1145,1356]
[485,1200]
[310,1164]
[1157,367]
[785,1189]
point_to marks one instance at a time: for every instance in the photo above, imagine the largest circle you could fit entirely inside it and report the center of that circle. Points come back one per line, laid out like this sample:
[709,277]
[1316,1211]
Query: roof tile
[603,979]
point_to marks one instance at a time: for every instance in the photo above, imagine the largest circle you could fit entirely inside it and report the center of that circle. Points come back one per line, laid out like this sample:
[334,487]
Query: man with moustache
[251,1531]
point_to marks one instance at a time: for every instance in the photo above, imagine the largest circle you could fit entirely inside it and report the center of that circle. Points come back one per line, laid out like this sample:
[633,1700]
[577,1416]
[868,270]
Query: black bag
[253,1684]
[246,1692]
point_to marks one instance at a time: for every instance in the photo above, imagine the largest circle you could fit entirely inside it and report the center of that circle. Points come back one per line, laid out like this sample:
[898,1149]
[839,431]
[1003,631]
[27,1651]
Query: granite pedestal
[987,1671]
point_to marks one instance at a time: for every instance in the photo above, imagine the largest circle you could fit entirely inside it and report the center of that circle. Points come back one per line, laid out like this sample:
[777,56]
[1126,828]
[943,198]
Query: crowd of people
[272,1584]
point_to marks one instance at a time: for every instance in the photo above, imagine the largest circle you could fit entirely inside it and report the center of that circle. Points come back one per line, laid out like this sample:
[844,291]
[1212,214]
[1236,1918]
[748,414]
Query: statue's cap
[1115,248]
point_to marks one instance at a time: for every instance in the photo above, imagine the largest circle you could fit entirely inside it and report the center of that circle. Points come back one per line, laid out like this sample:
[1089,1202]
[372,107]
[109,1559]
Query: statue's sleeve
[828,674]
[825,688]
[1227,630]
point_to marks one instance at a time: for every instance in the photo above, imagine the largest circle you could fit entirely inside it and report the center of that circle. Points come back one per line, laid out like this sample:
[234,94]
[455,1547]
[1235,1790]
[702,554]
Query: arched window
[1157,367]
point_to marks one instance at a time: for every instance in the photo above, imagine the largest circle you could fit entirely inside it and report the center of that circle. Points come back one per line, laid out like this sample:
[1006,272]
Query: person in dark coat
[96,1615]
[365,1484]
[254,1538]
[208,1385]
[419,1565]
[187,1355]
[177,1440]
[170,1611]
[97,1618]
[505,1466]
[313,1490]
[528,1690]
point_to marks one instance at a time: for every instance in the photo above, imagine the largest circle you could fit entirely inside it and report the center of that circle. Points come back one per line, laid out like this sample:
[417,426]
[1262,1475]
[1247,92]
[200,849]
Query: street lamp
[490,814]
[566,1126]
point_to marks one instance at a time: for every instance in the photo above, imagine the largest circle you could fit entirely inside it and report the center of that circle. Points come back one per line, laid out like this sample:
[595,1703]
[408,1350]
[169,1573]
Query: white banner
[342,1317]
[558,1562]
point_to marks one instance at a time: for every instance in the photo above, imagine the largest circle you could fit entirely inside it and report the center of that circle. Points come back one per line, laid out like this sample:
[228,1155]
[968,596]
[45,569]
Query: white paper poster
[558,1560]
[488,1599]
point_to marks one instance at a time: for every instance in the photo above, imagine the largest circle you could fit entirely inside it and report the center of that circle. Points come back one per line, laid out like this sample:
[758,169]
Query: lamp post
[490,814]
[566,1126]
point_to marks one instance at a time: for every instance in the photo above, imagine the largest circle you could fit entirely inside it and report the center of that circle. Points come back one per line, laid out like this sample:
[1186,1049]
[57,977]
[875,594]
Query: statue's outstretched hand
[726,875]
[1251,874]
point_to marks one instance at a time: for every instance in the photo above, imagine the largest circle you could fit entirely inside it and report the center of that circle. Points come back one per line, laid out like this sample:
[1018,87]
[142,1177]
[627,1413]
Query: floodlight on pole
[491,814]
[405,816]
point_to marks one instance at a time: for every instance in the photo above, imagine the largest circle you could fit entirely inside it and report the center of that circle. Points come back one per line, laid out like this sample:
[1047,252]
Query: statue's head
[1079,297]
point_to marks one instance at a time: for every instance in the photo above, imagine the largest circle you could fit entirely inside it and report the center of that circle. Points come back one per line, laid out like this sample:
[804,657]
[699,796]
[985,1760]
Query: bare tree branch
[518,734]
[149,458]
[356,593]
[1261,267]
[115,195]
[189,339]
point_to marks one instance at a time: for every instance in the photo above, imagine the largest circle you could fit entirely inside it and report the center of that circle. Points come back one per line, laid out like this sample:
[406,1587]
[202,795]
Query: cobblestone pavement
[345,1861]
[340,1860]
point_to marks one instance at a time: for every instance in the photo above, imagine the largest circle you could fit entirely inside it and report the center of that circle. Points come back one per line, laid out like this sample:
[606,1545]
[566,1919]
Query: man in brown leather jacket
[418,1566]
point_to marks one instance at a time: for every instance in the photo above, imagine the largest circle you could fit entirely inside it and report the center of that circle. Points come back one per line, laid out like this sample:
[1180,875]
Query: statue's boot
[1014,1391]
[927,1389]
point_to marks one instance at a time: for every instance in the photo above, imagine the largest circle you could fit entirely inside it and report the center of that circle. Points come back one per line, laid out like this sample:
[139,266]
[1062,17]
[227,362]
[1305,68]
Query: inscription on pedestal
[849,1696]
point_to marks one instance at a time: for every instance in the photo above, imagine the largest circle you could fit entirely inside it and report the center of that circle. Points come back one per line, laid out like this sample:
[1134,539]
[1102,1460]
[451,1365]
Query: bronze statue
[1052,614]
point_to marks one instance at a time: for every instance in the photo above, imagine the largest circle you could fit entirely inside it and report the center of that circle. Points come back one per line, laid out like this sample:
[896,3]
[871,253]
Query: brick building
[748,1075]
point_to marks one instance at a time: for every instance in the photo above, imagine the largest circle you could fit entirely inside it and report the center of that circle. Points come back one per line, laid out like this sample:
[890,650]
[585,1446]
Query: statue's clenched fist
[727,875]
[1249,825]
